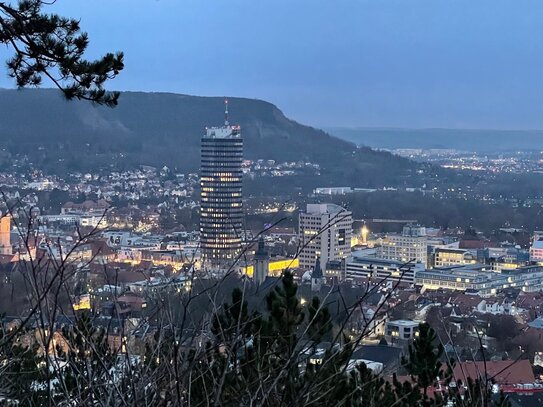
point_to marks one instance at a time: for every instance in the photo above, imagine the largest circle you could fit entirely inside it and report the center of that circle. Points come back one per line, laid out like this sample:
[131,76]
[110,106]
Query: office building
[409,246]
[380,270]
[221,211]
[324,231]
[536,249]
[445,256]
[479,278]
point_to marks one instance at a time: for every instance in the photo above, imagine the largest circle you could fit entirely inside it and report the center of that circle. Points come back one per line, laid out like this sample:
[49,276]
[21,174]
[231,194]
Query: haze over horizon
[391,63]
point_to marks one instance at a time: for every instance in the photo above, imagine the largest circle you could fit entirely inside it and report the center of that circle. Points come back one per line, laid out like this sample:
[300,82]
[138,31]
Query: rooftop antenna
[226,111]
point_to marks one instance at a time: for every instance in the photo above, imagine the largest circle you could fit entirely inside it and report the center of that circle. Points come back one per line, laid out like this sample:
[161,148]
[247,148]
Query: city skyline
[153,253]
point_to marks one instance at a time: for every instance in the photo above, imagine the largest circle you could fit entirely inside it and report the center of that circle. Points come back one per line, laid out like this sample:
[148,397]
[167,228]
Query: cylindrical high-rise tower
[221,212]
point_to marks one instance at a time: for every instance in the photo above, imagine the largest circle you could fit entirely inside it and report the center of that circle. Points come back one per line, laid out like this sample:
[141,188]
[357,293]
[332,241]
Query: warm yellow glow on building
[354,241]
[275,268]
[249,271]
[83,303]
[364,233]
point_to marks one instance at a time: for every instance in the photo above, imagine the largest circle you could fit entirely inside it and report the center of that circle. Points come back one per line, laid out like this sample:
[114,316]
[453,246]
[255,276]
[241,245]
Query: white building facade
[324,230]
[536,249]
[410,245]
[359,267]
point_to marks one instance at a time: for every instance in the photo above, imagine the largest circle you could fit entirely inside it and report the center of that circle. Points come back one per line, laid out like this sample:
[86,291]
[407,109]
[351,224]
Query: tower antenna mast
[226,111]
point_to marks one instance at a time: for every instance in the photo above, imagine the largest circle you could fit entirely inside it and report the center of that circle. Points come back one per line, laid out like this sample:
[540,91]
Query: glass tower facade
[221,211]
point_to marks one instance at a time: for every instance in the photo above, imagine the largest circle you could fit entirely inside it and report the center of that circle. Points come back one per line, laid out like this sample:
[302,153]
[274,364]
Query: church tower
[261,262]
[317,278]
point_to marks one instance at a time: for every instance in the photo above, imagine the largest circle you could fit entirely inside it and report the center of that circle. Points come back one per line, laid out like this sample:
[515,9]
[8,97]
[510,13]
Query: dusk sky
[397,63]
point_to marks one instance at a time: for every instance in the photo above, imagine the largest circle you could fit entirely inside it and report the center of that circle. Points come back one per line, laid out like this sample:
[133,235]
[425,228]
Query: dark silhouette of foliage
[52,47]
[88,359]
[424,358]
[270,358]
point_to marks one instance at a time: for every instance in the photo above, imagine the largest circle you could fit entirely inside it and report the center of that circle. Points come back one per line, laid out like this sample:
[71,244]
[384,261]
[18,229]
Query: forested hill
[165,129]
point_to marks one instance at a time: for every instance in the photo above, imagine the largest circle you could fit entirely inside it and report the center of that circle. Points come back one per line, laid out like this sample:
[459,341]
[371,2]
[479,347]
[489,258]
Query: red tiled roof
[500,371]
[529,300]
[465,302]
[125,276]
[100,247]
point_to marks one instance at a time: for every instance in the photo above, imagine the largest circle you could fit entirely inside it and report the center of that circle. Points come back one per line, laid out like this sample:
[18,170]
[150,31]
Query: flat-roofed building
[480,278]
[444,257]
[324,231]
[357,267]
[410,245]
[402,329]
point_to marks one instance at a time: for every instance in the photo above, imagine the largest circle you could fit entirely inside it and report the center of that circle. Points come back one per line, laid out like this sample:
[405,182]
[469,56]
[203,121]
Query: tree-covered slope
[165,129]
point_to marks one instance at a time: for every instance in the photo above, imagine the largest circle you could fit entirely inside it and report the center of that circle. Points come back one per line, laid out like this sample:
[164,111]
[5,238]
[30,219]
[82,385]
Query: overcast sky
[401,63]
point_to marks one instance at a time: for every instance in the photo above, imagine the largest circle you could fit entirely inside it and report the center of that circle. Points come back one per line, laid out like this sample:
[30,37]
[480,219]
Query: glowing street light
[364,233]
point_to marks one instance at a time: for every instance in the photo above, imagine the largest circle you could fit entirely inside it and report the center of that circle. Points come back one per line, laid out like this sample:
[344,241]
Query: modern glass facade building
[221,211]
